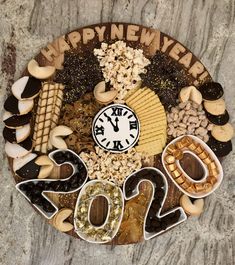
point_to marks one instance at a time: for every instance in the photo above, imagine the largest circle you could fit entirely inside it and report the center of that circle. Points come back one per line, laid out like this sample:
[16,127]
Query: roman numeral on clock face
[117,145]
[116,111]
[99,130]
[133,125]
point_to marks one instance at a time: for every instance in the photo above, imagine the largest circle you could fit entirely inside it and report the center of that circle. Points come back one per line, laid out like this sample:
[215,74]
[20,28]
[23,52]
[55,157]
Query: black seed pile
[166,77]
[80,74]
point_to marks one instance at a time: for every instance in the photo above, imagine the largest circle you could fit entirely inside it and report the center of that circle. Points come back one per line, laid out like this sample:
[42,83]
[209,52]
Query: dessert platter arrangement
[115,133]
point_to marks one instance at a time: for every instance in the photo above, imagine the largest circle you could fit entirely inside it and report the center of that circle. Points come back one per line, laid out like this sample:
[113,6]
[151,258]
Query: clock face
[116,128]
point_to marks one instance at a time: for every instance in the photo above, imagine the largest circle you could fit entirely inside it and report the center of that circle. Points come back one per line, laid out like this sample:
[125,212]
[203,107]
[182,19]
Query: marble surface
[205,27]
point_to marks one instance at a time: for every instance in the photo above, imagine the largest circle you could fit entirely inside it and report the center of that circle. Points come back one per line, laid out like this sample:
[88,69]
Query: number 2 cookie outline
[50,155]
[136,191]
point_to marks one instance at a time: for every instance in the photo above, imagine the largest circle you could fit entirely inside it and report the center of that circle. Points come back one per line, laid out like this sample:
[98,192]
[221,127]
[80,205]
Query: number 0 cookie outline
[206,174]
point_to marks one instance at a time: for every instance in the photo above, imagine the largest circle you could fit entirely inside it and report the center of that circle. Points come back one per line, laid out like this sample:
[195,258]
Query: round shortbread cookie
[223,133]
[215,107]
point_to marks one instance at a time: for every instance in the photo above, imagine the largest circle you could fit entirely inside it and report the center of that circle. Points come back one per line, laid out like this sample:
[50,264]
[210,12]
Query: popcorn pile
[109,166]
[121,66]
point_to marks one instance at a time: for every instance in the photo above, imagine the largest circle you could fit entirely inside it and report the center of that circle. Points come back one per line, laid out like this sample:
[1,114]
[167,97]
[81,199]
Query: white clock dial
[116,128]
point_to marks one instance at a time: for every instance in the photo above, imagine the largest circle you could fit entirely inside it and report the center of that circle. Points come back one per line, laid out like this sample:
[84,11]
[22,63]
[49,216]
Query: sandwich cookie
[215,107]
[220,148]
[16,135]
[16,121]
[25,167]
[26,87]
[19,150]
[19,107]
[211,91]
[218,119]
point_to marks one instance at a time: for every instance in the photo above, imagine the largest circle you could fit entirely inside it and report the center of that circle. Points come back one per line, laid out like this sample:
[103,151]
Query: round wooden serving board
[136,36]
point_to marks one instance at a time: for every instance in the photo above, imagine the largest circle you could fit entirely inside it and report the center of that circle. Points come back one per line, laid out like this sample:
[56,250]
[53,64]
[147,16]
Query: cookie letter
[196,69]
[88,34]
[131,31]
[48,52]
[100,32]
[186,59]
[166,43]
[174,52]
[74,38]
[116,32]
[147,36]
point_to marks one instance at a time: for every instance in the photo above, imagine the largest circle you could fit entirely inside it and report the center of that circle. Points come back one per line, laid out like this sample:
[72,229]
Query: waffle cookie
[48,112]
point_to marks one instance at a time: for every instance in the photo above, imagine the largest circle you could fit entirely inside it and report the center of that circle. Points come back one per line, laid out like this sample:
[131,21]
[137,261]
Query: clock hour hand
[115,126]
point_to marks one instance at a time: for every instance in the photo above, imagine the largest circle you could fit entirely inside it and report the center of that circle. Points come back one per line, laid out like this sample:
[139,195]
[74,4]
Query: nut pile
[109,166]
[121,66]
[188,118]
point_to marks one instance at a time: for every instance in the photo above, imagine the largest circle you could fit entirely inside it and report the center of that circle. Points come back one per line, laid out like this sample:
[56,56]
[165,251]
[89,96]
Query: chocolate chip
[68,156]
[48,207]
[59,157]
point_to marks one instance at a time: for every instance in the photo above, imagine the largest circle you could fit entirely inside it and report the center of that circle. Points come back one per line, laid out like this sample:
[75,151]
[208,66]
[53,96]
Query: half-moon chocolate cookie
[26,87]
[19,150]
[211,91]
[218,119]
[15,121]
[26,167]
[15,106]
[16,135]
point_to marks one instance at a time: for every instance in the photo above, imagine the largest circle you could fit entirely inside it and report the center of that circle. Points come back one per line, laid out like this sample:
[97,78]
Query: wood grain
[207,29]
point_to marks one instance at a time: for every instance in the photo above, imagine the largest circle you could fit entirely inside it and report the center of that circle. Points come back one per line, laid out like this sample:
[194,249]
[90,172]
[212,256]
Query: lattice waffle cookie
[48,112]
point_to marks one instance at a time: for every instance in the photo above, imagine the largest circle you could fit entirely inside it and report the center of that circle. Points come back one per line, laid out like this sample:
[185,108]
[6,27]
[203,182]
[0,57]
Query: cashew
[40,72]
[204,123]
[192,119]
[201,131]
[188,106]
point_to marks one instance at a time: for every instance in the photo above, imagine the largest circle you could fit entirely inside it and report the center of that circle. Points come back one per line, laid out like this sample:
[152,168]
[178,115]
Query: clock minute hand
[115,127]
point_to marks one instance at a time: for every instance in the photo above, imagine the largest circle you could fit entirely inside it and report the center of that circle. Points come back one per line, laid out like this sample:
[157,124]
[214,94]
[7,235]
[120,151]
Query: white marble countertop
[207,28]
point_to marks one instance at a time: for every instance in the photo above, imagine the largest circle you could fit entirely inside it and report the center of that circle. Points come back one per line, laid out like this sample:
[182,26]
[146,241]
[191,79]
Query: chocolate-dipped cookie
[211,91]
[19,150]
[20,107]
[220,148]
[25,167]
[218,119]
[26,87]
[16,121]
[16,135]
